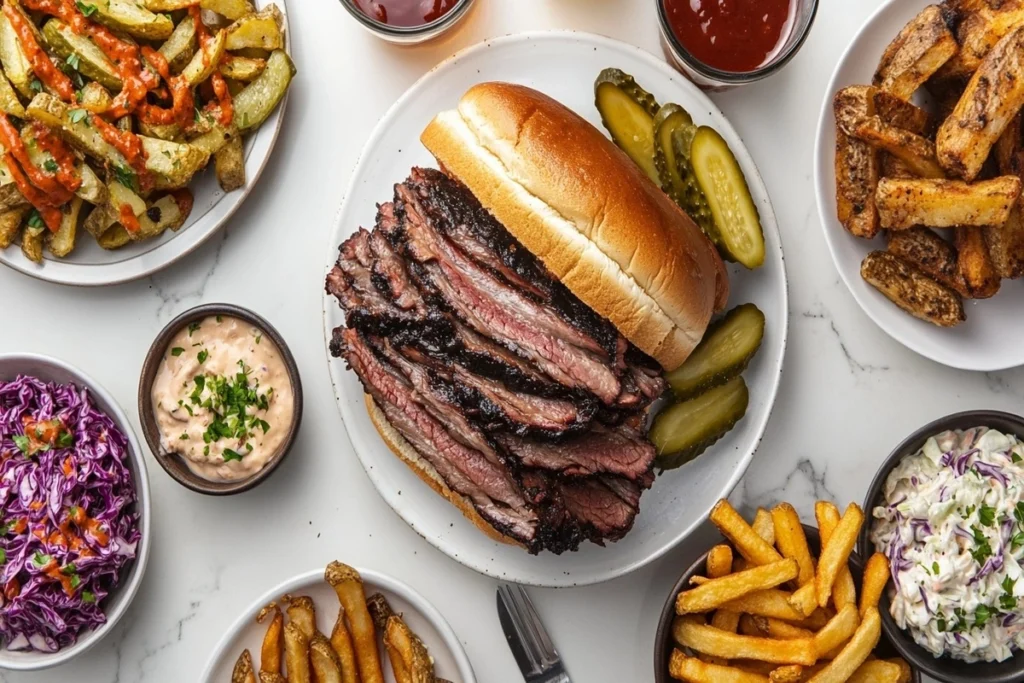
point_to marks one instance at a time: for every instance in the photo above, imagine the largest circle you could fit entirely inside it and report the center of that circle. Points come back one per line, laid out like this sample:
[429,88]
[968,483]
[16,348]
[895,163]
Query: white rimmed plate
[53,370]
[90,266]
[450,660]
[989,339]
[563,65]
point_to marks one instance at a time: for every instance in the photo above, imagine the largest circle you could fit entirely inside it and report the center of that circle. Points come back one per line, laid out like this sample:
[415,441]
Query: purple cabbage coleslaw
[952,527]
[67,512]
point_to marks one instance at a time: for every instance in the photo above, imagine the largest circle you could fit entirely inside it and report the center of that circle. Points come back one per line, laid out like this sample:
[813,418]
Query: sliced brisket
[619,451]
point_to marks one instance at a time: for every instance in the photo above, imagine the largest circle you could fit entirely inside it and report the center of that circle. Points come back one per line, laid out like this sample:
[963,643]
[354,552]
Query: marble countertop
[849,392]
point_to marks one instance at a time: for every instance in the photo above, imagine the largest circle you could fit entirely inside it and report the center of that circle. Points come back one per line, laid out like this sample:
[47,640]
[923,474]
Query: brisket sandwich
[511,318]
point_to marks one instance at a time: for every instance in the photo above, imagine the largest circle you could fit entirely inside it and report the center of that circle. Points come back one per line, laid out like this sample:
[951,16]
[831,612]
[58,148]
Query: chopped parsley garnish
[1018,512]
[230,455]
[126,177]
[981,615]
[88,597]
[1016,458]
[3,556]
[987,515]
[941,624]
[50,165]
[86,10]
[1017,540]
[78,115]
[74,61]
[35,220]
[229,400]
[177,351]
[220,319]
[192,327]
[75,581]
[69,568]
[183,437]
[982,550]
[935,568]
[36,85]
[66,440]
[23,443]
[1008,601]
[40,560]
[259,338]
[202,356]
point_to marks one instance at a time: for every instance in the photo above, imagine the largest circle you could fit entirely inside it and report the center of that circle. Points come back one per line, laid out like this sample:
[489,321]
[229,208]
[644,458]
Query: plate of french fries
[340,625]
[918,166]
[131,130]
[780,602]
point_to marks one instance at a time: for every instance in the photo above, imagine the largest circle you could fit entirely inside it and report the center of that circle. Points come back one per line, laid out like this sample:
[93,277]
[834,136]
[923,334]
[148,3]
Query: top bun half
[579,204]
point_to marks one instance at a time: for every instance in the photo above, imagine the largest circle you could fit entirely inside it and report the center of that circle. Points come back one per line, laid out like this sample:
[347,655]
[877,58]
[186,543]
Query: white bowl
[53,370]
[989,339]
[450,660]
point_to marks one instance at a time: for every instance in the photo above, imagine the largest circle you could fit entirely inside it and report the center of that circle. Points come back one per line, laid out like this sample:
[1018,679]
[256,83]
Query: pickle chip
[673,131]
[727,348]
[684,430]
[627,111]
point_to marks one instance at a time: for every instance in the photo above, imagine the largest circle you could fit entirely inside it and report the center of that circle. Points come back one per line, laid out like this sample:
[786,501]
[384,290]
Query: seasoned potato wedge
[230,164]
[32,243]
[96,98]
[10,224]
[857,170]
[114,238]
[129,17]
[179,49]
[912,290]
[259,99]
[167,5]
[929,253]
[924,45]
[901,114]
[852,106]
[978,31]
[92,62]
[917,153]
[993,98]
[232,9]
[262,30]
[9,102]
[894,168]
[904,203]
[15,63]
[975,264]
[99,221]
[241,68]
[205,60]
[62,242]
[91,190]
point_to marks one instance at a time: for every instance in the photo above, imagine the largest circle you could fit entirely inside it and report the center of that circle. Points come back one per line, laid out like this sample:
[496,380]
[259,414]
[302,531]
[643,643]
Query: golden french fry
[348,586]
[691,669]
[776,628]
[804,600]
[323,661]
[792,542]
[763,526]
[876,671]
[908,202]
[876,575]
[836,552]
[380,610]
[747,542]
[753,666]
[341,641]
[302,613]
[270,652]
[816,620]
[791,673]
[837,631]
[272,677]
[407,652]
[917,52]
[702,638]
[296,655]
[767,603]
[750,625]
[719,562]
[906,673]
[717,592]
[854,653]
[725,620]
[243,673]
[844,591]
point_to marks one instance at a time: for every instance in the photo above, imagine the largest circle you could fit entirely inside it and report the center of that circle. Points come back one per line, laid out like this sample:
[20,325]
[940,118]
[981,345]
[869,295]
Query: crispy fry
[719,562]
[349,587]
[920,49]
[751,546]
[767,603]
[906,202]
[717,643]
[929,253]
[837,631]
[791,673]
[691,669]
[776,628]
[753,666]
[916,152]
[857,164]
[912,290]
[341,641]
[876,671]
[902,114]
[792,542]
[271,677]
[750,625]
[296,655]
[906,673]
[10,224]
[854,653]
[405,648]
[302,613]
[725,620]
[836,552]
[763,526]
[975,264]
[323,661]
[380,610]
[804,600]
[243,673]
[718,592]
[273,644]
[876,575]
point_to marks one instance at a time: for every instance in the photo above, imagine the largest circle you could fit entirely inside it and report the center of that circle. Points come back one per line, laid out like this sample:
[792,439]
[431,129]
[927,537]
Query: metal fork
[529,641]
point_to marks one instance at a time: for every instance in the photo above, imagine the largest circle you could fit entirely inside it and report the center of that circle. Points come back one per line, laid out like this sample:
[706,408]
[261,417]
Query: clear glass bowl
[710,78]
[409,35]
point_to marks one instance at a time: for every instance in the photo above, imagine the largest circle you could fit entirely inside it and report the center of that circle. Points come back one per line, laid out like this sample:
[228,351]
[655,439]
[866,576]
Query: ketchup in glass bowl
[407,21]
[723,43]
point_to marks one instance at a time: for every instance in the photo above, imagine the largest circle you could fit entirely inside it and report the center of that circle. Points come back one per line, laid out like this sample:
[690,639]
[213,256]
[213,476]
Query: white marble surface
[849,393]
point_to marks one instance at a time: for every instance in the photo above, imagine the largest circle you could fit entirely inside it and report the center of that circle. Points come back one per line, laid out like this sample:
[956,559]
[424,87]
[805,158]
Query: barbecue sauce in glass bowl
[405,13]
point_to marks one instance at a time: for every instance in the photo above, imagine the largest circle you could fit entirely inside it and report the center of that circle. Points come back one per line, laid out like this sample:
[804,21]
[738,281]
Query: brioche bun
[579,204]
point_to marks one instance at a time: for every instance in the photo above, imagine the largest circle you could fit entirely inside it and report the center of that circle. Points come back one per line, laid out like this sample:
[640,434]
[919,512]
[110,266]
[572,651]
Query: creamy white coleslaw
[952,527]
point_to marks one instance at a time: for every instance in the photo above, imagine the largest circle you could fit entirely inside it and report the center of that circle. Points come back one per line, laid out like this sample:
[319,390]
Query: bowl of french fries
[340,625]
[919,164]
[780,602]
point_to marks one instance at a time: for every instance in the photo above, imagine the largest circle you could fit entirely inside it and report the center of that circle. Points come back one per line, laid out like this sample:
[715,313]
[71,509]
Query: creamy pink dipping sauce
[222,398]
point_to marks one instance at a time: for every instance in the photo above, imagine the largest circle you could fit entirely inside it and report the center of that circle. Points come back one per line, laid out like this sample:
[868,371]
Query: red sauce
[62,155]
[44,190]
[223,108]
[54,572]
[128,144]
[43,67]
[183,102]
[128,218]
[405,12]
[12,588]
[730,35]
[184,199]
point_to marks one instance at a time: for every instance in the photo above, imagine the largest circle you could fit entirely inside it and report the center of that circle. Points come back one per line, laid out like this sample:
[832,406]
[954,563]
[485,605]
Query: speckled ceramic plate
[89,265]
[563,65]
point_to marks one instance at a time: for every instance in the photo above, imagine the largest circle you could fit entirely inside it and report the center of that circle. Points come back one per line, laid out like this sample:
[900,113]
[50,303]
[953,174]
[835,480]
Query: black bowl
[944,669]
[664,643]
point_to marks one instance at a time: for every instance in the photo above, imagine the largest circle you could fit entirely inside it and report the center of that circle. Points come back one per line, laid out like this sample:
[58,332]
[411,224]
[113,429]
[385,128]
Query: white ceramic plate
[450,660]
[53,370]
[563,65]
[89,265]
[989,339]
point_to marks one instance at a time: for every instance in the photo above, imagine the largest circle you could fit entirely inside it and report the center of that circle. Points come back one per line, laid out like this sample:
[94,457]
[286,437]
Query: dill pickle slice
[673,130]
[727,348]
[627,111]
[740,237]
[684,430]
